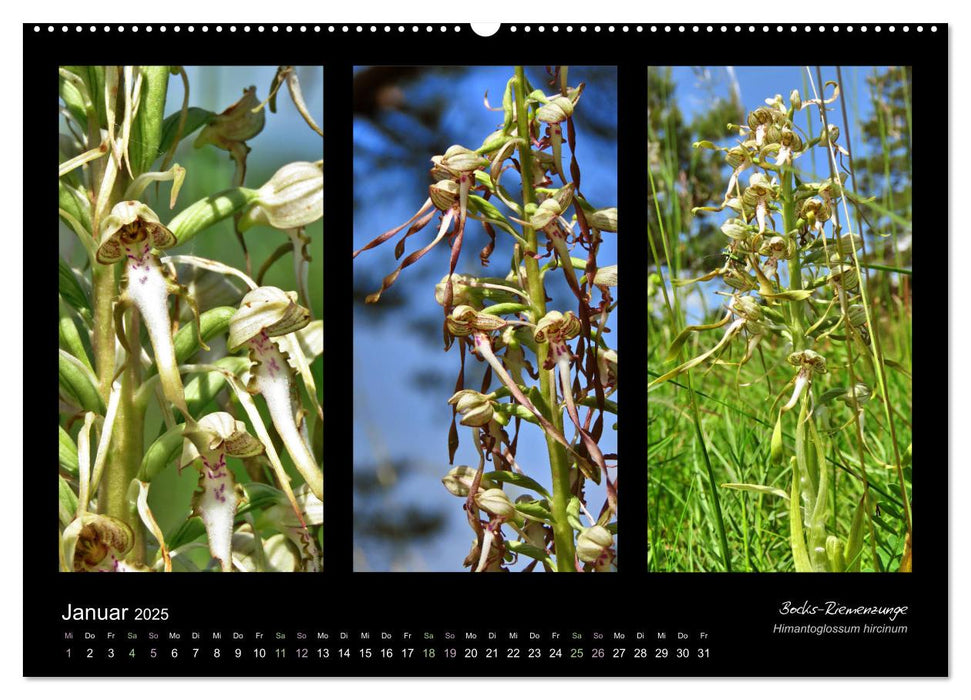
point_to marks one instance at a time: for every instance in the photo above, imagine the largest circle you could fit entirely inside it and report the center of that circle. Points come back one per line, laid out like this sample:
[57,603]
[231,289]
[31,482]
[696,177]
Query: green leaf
[490,214]
[527,550]
[94,78]
[591,402]
[73,201]
[759,489]
[67,501]
[260,496]
[790,295]
[776,444]
[202,214]
[146,127]
[71,96]
[205,387]
[854,541]
[189,531]
[520,480]
[517,411]
[573,514]
[535,510]
[161,453]
[195,118]
[78,384]
[67,452]
[69,338]
[505,308]
[69,287]
[212,323]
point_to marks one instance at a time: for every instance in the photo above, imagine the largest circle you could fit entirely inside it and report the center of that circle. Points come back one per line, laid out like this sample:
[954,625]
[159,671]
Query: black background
[736,610]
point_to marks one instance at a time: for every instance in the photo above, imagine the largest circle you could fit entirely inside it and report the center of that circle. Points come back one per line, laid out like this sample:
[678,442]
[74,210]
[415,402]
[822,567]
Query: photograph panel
[485,335]
[779,319]
[191,294]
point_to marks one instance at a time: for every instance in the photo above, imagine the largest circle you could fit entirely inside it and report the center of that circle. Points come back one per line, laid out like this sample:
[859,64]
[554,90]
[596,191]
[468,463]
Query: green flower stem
[795,268]
[124,460]
[104,292]
[559,464]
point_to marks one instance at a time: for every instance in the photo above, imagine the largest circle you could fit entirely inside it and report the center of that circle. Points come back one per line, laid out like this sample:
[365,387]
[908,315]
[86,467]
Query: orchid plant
[543,356]
[141,390]
[795,289]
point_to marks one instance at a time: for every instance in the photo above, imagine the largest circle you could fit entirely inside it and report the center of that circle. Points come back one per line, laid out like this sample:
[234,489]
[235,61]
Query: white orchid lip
[131,232]
[206,445]
[809,363]
[264,313]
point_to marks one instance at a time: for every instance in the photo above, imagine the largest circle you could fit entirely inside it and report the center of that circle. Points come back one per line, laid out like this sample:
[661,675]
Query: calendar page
[349,330]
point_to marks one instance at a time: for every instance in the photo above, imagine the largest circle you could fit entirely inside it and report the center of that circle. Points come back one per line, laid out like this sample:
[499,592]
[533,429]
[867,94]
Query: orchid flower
[595,546]
[748,315]
[207,445]
[809,363]
[265,313]
[454,174]
[290,201]
[282,517]
[757,196]
[554,112]
[556,329]
[739,159]
[790,147]
[93,542]
[466,321]
[815,212]
[130,233]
